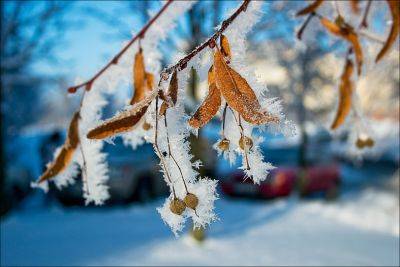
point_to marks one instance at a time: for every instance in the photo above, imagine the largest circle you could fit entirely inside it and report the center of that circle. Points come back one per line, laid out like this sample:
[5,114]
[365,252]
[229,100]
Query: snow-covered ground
[359,229]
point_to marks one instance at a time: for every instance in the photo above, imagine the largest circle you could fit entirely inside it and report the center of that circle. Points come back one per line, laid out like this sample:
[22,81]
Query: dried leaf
[173,87]
[394,7]
[310,8]
[172,93]
[342,29]
[345,98]
[73,131]
[149,81]
[225,47]
[210,106]
[63,158]
[228,83]
[138,78]
[123,122]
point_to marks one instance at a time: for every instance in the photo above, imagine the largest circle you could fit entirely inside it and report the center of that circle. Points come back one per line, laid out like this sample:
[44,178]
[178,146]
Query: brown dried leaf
[138,78]
[228,83]
[123,122]
[173,87]
[210,106]
[394,7]
[345,95]
[149,81]
[172,93]
[63,158]
[342,29]
[310,8]
[225,47]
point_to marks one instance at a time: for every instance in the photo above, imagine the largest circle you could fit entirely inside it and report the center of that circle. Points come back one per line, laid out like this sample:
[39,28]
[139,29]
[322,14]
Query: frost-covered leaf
[225,47]
[210,105]
[172,94]
[238,93]
[124,121]
[64,156]
[345,95]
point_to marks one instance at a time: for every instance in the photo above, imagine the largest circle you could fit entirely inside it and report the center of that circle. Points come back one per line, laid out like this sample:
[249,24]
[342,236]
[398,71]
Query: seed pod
[246,141]
[172,93]
[191,201]
[369,142]
[177,206]
[149,81]
[146,126]
[224,144]
[360,143]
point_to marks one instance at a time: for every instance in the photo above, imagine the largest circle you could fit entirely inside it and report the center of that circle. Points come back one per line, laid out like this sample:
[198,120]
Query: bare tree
[30,33]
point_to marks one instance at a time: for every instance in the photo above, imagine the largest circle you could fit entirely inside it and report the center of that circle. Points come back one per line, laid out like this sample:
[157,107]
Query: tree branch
[182,63]
[114,60]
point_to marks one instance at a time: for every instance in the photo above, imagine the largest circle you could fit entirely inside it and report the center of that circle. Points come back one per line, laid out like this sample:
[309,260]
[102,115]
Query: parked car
[283,181]
[323,179]
[280,183]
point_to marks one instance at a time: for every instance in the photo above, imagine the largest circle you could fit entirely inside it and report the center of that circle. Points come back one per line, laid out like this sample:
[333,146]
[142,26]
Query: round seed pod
[146,126]
[191,201]
[246,141]
[369,142]
[360,143]
[177,206]
[224,144]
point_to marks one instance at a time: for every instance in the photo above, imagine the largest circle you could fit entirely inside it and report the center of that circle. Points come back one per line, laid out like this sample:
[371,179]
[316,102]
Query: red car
[283,181]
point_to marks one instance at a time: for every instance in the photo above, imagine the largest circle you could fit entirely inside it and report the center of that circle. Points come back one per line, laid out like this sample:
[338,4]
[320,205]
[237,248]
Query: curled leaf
[225,47]
[64,157]
[345,95]
[310,8]
[172,94]
[138,78]
[394,7]
[149,81]
[342,29]
[123,122]
[240,99]
[210,106]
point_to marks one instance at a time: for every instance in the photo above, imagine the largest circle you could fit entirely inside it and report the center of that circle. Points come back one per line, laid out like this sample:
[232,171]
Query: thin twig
[140,35]
[159,152]
[304,26]
[84,173]
[371,37]
[182,63]
[223,120]
[364,21]
[239,123]
[337,8]
[170,153]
